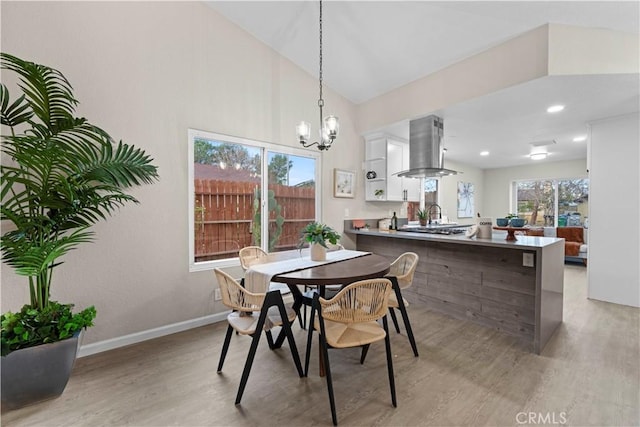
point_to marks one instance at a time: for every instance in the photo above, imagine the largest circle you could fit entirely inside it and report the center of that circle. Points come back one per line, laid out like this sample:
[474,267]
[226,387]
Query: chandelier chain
[320,101]
[328,125]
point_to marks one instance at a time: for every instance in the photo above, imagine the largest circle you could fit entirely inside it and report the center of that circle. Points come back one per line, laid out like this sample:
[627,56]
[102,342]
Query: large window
[556,203]
[228,177]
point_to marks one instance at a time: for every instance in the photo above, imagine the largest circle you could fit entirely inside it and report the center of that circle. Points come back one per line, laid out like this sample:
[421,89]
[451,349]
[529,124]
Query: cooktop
[437,230]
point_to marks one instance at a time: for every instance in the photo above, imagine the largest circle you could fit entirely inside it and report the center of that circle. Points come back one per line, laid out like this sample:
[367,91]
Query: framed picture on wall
[465,200]
[344,183]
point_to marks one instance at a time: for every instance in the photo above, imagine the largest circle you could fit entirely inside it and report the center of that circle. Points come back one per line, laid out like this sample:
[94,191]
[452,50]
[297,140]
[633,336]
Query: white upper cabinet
[385,157]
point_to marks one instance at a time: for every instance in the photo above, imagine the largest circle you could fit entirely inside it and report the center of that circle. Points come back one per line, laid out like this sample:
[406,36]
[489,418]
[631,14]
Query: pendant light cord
[321,101]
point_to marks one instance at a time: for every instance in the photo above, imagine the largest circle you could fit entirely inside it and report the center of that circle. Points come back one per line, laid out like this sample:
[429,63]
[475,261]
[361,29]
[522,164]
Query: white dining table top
[258,276]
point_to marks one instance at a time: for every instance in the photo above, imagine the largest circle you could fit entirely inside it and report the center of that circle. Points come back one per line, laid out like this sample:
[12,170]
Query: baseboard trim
[110,344]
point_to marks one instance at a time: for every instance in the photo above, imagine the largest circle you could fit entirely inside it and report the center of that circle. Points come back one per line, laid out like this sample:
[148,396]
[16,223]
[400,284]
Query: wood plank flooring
[466,375]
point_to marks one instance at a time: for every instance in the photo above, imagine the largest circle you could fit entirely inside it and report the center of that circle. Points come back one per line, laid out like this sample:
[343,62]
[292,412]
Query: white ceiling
[370,48]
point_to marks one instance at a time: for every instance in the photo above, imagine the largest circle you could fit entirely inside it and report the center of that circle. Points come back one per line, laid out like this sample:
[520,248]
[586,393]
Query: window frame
[513,200]
[264,147]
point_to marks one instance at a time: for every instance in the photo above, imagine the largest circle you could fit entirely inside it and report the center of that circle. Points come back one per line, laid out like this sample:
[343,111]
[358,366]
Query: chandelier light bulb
[332,125]
[303,130]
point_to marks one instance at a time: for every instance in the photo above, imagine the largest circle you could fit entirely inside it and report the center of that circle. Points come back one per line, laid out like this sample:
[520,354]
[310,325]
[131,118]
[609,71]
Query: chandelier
[328,125]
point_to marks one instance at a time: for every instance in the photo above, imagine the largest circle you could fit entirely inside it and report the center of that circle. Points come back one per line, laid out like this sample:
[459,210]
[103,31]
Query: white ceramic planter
[318,252]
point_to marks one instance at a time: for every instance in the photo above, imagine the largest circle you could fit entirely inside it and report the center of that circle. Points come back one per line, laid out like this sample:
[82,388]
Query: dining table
[342,267]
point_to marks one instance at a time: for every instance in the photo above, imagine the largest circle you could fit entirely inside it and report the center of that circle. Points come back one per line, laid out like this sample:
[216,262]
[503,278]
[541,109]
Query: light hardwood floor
[466,375]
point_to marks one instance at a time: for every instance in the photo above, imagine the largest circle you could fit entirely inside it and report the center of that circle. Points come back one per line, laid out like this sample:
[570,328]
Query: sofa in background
[575,244]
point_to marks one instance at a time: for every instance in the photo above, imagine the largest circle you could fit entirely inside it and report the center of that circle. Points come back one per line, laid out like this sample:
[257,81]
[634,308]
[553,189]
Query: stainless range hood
[426,154]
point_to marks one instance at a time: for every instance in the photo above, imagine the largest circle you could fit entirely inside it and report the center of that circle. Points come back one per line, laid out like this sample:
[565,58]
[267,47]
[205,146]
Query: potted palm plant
[317,235]
[60,176]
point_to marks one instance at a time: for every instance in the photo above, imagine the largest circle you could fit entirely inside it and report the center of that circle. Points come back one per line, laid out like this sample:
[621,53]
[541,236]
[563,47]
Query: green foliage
[212,152]
[275,229]
[64,175]
[279,168]
[30,327]
[315,232]
[422,214]
[511,215]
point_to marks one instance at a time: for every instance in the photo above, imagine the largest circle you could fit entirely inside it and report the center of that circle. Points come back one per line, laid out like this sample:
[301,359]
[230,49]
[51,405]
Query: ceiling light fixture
[328,126]
[484,153]
[555,108]
[538,156]
[580,138]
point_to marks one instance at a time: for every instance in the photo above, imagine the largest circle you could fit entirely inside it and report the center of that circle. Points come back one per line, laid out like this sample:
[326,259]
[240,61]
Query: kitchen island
[512,286]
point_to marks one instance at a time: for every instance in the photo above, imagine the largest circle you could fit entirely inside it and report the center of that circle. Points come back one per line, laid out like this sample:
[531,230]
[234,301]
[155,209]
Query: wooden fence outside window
[225,215]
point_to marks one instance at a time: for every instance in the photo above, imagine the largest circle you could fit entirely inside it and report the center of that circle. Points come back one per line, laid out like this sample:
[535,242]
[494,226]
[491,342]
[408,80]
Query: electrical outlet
[528,259]
[346,212]
[217,296]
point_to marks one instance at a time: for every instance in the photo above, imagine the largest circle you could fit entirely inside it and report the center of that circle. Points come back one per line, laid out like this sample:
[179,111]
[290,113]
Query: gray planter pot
[34,374]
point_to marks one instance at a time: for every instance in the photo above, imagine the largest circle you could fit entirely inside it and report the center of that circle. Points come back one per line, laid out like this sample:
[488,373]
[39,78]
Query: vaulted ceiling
[371,48]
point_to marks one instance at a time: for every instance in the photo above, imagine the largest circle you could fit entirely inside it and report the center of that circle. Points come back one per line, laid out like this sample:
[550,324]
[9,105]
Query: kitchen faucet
[439,211]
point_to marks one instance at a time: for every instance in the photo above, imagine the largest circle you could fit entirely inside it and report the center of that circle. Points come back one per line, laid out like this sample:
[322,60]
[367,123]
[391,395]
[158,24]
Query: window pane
[292,196]
[536,202]
[430,189]
[573,202]
[226,199]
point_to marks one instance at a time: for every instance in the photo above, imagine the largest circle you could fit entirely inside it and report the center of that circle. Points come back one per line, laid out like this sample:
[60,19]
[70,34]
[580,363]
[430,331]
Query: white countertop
[498,239]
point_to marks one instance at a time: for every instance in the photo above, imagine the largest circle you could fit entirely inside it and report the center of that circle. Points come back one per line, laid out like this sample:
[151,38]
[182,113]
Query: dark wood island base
[515,287]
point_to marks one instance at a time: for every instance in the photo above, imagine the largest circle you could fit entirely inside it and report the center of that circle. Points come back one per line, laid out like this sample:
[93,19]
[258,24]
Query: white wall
[497,182]
[146,72]
[518,60]
[614,247]
[449,191]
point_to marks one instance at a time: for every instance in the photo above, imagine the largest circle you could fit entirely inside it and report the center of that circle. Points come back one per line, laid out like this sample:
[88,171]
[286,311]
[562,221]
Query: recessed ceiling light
[555,108]
[580,138]
[484,153]
[538,156]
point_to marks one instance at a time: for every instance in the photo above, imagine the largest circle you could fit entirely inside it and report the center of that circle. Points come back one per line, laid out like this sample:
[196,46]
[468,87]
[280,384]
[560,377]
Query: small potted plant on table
[422,215]
[317,235]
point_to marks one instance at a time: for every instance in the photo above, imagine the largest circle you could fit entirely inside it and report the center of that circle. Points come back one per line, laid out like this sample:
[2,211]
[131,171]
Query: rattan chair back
[235,296]
[362,301]
[403,268]
[251,255]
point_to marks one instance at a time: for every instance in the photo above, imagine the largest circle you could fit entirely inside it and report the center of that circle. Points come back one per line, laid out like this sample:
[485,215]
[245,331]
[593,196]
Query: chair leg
[363,355]
[387,345]
[405,316]
[303,319]
[309,339]
[252,353]
[325,355]
[394,319]
[270,341]
[286,327]
[225,347]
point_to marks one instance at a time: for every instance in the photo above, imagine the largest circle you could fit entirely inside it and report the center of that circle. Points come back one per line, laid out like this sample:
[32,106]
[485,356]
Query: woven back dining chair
[349,319]
[329,290]
[272,312]
[251,255]
[403,270]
